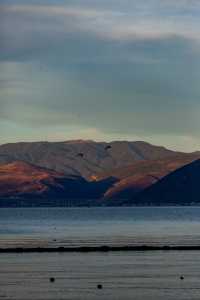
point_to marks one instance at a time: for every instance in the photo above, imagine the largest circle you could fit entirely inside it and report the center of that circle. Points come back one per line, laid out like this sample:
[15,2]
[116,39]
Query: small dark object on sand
[52,279]
[80,155]
[108,147]
[181,277]
[99,286]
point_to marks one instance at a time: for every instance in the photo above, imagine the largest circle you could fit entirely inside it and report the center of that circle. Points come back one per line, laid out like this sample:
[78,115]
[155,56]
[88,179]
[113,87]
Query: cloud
[28,30]
[123,101]
[100,68]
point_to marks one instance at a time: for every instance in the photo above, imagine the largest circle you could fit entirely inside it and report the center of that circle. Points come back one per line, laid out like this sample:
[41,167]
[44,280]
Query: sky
[101,70]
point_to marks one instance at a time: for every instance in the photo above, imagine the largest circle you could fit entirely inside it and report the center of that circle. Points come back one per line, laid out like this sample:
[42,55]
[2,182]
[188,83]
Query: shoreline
[99,249]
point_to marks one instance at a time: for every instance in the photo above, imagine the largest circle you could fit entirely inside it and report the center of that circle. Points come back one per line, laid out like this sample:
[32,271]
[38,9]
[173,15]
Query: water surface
[115,226]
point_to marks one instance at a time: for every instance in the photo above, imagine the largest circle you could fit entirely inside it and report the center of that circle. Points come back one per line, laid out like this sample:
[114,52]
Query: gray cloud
[121,69]
[28,30]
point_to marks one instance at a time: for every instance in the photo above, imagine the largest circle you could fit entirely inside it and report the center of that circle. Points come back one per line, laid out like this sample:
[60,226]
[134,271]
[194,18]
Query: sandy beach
[132,275]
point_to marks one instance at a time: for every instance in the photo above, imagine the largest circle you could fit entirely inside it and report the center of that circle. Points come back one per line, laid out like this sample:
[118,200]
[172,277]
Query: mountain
[180,187]
[82,158]
[86,172]
[23,181]
[135,178]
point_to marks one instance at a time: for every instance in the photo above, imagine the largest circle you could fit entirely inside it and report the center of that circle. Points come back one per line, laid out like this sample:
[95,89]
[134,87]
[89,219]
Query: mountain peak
[82,157]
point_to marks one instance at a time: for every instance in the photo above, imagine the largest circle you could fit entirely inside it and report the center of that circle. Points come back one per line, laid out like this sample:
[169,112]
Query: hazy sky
[100,69]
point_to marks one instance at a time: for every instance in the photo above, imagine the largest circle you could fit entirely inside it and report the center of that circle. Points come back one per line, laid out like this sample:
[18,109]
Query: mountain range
[82,172]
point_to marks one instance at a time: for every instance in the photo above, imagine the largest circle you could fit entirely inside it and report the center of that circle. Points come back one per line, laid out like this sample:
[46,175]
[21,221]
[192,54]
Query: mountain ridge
[83,158]
[107,173]
[21,180]
[139,176]
[180,187]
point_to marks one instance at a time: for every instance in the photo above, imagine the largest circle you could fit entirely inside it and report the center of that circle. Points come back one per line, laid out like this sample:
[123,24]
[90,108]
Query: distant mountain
[135,178]
[180,187]
[23,181]
[87,173]
[82,158]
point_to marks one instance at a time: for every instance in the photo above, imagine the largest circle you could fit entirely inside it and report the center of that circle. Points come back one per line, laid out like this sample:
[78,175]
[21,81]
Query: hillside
[140,175]
[82,158]
[180,187]
[85,172]
[20,180]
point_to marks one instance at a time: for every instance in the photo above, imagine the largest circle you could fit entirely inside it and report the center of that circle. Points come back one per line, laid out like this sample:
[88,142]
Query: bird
[80,154]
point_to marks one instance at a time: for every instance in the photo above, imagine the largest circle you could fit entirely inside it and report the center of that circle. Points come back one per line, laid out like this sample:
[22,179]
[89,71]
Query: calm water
[99,226]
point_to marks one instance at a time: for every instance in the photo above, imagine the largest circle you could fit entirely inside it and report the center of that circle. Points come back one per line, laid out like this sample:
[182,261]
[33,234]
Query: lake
[99,226]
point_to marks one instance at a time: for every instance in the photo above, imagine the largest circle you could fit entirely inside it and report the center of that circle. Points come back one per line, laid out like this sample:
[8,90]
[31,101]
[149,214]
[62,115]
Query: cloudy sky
[100,69]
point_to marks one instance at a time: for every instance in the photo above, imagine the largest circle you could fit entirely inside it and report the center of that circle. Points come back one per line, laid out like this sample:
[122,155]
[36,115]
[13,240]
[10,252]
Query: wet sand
[138,275]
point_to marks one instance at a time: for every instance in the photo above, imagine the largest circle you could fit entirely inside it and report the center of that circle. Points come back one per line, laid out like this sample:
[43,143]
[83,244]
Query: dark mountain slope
[20,180]
[181,187]
[140,175]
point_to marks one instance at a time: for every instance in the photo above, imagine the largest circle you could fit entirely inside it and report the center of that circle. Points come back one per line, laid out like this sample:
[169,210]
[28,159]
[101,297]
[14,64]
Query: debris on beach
[99,286]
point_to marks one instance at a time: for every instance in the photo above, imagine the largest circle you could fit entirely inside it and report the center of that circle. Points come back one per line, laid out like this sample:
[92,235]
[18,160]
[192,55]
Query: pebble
[99,286]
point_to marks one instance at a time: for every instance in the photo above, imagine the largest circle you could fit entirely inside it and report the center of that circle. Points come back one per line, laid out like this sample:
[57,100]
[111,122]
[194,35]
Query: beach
[121,275]
[132,275]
